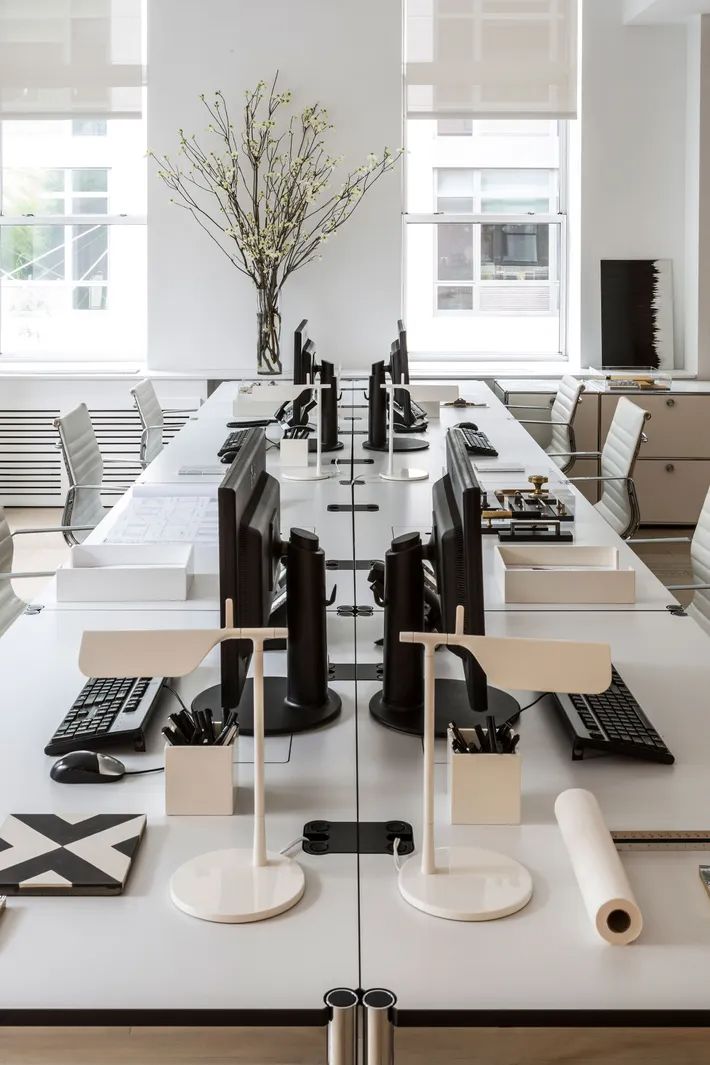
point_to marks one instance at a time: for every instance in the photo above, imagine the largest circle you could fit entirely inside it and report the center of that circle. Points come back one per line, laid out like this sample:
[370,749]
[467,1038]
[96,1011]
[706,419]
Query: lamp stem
[319,468]
[259,823]
[390,461]
[428,851]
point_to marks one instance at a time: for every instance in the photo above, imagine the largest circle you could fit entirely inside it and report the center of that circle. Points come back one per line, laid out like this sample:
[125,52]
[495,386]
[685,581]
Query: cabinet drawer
[671,493]
[679,425]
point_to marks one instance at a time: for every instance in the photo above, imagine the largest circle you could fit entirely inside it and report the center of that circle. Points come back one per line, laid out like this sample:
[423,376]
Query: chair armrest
[541,421]
[661,540]
[576,454]
[688,587]
[575,479]
[20,576]
[525,406]
[53,528]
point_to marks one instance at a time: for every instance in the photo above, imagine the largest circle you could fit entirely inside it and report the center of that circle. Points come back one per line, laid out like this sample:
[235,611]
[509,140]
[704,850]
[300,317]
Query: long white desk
[353,929]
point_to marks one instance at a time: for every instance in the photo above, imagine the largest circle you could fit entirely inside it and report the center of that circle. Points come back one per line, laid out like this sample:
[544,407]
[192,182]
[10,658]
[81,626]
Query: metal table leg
[342,1026]
[379,1032]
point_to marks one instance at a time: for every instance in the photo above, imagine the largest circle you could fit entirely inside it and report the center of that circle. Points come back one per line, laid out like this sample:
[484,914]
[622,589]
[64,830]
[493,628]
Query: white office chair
[11,606]
[563,445]
[151,416]
[619,502]
[699,608]
[83,508]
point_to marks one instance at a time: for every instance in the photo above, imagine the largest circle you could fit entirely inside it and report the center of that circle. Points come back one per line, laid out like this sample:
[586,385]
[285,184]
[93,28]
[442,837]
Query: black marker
[482,738]
[491,729]
[459,743]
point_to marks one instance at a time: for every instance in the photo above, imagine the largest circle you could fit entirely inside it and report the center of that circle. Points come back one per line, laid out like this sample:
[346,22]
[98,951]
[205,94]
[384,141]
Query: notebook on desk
[68,854]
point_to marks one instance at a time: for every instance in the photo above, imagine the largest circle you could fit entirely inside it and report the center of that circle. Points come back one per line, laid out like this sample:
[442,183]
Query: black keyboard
[612,723]
[477,443]
[106,713]
[233,442]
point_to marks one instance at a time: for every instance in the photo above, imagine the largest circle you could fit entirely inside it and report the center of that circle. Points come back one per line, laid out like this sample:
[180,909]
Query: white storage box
[261,400]
[430,397]
[200,780]
[484,789]
[125,573]
[293,452]
[551,573]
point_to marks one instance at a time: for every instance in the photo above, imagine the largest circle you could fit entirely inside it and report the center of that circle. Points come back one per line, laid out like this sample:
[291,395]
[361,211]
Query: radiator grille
[31,470]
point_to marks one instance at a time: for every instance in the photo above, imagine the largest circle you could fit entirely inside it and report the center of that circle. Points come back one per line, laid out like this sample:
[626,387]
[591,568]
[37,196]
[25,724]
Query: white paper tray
[550,573]
[124,573]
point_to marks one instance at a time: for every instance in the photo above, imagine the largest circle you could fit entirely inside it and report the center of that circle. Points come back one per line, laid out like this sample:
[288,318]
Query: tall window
[486,237]
[72,238]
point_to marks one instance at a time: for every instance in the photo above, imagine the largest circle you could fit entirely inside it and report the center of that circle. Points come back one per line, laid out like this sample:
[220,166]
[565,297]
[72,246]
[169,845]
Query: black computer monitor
[300,340]
[403,351]
[250,553]
[456,552]
[399,373]
[304,367]
[248,502]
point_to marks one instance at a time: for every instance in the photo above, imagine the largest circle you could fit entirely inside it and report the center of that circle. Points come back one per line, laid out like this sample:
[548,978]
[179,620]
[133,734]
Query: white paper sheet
[167,519]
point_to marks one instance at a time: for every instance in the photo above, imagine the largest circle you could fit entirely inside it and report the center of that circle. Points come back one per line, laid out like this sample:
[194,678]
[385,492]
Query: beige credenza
[673,472]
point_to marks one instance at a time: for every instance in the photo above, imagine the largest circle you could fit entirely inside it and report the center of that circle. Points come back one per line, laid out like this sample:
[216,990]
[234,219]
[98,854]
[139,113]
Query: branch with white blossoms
[265,193]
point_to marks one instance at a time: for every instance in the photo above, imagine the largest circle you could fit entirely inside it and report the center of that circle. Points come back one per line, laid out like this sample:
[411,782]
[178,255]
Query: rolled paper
[602,881]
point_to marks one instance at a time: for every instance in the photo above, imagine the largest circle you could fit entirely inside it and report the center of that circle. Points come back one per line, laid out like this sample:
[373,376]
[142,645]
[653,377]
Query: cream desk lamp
[468,883]
[236,885]
[313,473]
[404,473]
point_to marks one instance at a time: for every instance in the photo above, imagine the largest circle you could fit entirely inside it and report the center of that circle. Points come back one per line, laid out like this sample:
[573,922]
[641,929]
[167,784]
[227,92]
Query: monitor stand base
[280,717]
[451,705]
[405,443]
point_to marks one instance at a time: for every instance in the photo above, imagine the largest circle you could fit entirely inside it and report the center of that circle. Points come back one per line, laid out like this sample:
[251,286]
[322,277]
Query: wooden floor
[307,1046]
[229,1046]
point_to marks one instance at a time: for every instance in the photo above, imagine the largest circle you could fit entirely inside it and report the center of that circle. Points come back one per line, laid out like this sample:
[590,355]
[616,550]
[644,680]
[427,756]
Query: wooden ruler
[662,840]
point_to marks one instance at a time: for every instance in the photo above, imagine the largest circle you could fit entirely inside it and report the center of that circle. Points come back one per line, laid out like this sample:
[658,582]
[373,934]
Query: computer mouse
[468,425]
[228,457]
[87,767]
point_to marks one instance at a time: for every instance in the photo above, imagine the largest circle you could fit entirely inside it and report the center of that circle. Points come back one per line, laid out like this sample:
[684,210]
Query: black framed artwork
[637,314]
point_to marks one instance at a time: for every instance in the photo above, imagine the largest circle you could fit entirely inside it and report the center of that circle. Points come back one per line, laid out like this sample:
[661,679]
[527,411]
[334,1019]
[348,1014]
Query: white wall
[633,156]
[202,313]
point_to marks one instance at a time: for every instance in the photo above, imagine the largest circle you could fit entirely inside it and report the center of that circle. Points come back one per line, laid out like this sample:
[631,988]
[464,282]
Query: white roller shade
[68,58]
[491,58]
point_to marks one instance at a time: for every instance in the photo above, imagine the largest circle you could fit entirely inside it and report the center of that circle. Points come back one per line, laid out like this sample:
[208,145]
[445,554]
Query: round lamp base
[410,474]
[225,886]
[469,884]
[310,474]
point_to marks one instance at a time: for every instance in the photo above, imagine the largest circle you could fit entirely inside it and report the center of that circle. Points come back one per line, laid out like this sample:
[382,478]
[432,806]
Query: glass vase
[268,333]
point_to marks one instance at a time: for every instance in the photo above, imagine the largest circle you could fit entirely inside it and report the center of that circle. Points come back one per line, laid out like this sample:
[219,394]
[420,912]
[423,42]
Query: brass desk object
[537,481]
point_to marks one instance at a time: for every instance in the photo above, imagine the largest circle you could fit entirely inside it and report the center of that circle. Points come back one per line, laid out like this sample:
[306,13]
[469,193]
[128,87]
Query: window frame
[67,221]
[436,218]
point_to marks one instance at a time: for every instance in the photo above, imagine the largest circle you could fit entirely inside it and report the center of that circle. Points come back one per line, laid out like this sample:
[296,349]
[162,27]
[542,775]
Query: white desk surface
[548,957]
[138,951]
[161,959]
